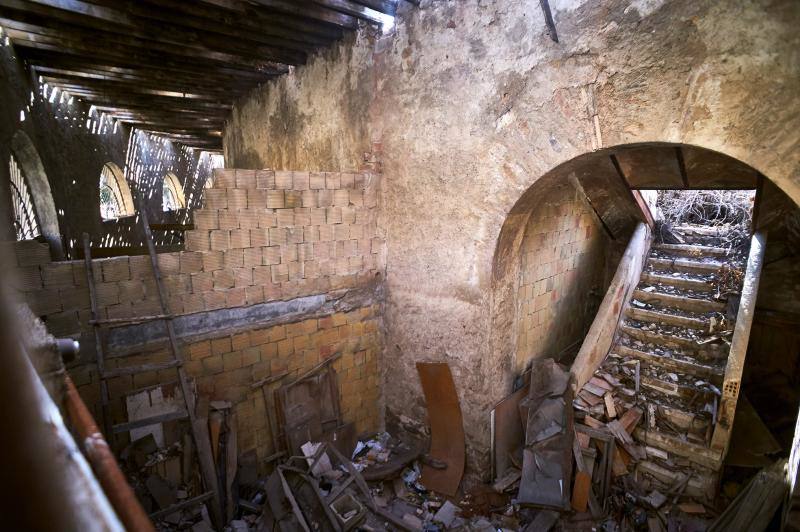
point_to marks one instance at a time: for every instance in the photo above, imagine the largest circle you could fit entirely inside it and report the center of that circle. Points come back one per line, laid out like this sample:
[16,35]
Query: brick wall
[561,275]
[260,236]
[223,368]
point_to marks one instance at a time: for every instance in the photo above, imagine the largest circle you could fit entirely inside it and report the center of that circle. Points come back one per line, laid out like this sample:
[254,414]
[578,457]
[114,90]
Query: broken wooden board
[754,506]
[447,428]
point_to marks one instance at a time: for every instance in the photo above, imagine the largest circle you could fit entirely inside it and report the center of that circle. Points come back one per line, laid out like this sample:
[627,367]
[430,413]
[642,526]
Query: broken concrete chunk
[447,513]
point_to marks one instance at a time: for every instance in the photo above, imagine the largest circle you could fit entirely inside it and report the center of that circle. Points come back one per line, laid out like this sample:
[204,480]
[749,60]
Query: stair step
[701,485]
[668,340]
[691,422]
[701,371]
[692,250]
[699,454]
[153,420]
[702,230]
[684,265]
[144,368]
[674,389]
[653,316]
[697,285]
[692,304]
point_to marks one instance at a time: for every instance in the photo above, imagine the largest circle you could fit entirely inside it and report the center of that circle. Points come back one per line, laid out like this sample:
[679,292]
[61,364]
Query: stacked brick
[260,236]
[223,368]
[562,265]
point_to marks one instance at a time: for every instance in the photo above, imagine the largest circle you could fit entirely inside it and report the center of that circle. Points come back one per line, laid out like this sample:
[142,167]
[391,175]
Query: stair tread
[649,315]
[683,336]
[695,368]
[699,285]
[702,267]
[666,299]
[692,249]
[673,389]
[701,454]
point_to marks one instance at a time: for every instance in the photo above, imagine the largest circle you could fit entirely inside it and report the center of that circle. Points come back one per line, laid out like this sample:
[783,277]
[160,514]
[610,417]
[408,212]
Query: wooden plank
[720,440]
[611,411]
[631,418]
[601,334]
[580,491]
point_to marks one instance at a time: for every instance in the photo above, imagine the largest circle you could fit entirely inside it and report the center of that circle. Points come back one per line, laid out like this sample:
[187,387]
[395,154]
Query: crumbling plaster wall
[73,156]
[473,103]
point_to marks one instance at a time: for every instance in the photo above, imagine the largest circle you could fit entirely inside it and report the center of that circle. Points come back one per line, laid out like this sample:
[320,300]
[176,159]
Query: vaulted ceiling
[175,66]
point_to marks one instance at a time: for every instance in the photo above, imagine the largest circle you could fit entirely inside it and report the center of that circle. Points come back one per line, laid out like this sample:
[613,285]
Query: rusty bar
[105,466]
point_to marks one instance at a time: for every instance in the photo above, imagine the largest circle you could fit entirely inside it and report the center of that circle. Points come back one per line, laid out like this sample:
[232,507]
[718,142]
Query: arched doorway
[544,229]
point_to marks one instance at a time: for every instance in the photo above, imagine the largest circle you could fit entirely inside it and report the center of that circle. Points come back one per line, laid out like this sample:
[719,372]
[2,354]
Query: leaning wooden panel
[447,428]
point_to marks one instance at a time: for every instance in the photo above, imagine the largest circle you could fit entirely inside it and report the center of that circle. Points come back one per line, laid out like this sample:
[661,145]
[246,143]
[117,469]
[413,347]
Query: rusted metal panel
[447,428]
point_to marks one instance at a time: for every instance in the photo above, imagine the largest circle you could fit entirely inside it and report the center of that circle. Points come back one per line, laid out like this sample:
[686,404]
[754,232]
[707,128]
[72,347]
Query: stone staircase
[669,360]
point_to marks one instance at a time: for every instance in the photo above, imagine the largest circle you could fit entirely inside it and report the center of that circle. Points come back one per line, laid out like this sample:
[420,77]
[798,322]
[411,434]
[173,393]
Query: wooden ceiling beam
[245,15]
[310,11]
[357,10]
[388,7]
[182,23]
[146,86]
[132,18]
[185,72]
[155,101]
[130,58]
[210,85]
[234,55]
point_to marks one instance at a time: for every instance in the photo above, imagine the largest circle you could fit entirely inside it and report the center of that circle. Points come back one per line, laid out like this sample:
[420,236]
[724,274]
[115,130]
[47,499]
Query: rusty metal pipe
[105,466]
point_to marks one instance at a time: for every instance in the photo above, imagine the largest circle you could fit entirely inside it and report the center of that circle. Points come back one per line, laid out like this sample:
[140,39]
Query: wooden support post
[741,335]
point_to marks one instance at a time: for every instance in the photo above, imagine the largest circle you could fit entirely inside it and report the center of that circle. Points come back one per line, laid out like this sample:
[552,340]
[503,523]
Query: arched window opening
[26,225]
[116,200]
[173,197]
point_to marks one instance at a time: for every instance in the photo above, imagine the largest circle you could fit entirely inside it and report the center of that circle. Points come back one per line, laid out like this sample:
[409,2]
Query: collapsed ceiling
[175,67]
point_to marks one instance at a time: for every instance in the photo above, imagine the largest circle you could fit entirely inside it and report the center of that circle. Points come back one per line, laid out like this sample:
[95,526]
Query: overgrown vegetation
[728,211]
[706,207]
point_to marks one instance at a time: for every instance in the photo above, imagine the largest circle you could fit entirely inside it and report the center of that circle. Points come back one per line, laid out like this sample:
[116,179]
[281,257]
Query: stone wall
[562,277]
[261,238]
[473,103]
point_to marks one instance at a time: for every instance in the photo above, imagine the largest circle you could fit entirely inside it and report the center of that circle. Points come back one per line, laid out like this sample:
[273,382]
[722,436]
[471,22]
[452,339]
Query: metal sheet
[509,433]
[447,428]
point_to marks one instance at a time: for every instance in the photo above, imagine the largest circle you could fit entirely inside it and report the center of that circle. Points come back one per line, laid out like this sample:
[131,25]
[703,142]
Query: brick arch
[29,161]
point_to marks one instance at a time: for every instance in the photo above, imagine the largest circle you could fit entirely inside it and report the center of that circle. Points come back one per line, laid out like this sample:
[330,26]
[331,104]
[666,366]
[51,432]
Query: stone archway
[31,164]
[606,178]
